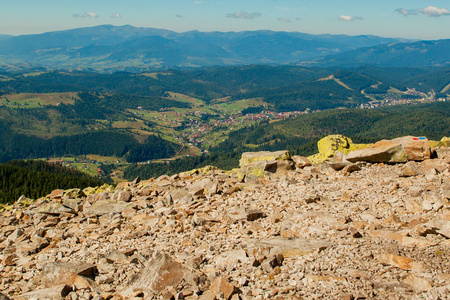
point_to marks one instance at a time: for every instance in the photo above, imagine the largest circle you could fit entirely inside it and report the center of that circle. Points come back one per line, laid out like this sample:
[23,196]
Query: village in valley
[205,125]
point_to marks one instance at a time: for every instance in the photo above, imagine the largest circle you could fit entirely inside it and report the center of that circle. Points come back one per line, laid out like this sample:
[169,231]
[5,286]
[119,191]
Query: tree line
[35,179]
[104,143]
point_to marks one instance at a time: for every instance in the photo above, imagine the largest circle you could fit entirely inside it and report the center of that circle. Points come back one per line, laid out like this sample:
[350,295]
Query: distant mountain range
[110,48]
[418,54]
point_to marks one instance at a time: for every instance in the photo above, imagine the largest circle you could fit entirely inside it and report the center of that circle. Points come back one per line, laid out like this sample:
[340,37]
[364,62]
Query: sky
[413,19]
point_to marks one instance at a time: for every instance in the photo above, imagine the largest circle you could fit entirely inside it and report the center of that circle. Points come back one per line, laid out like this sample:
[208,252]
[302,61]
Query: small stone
[56,194]
[124,196]
[402,262]
[10,260]
[276,217]
[415,191]
[351,168]
[221,287]
[346,296]
[4,297]
[301,161]
[417,283]
[410,169]
[55,292]
[254,214]
[354,232]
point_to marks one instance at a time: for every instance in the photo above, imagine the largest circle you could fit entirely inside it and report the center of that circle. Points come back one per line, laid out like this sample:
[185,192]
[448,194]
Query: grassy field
[32,100]
[90,164]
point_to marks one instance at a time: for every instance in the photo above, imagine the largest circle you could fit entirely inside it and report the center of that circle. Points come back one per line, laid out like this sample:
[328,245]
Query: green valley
[195,117]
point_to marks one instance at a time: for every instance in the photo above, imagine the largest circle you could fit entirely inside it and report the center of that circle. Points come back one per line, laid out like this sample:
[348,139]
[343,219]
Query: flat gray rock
[104,207]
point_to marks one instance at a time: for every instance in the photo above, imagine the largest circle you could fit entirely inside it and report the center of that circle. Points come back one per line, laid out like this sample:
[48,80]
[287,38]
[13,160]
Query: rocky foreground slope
[277,228]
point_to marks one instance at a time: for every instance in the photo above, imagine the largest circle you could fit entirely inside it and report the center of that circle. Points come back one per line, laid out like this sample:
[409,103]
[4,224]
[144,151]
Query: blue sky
[420,19]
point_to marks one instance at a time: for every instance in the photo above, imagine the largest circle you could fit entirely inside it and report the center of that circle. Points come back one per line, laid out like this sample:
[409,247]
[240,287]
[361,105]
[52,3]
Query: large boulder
[254,165]
[100,189]
[67,273]
[104,207]
[250,157]
[444,142]
[332,144]
[383,151]
[417,148]
[54,209]
[260,169]
[158,274]
[393,151]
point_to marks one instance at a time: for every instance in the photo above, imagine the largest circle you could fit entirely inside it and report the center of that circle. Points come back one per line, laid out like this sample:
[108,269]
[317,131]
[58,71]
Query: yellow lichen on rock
[444,142]
[24,202]
[89,191]
[105,188]
[330,145]
[99,189]
[204,170]
[250,157]
[4,207]
[256,169]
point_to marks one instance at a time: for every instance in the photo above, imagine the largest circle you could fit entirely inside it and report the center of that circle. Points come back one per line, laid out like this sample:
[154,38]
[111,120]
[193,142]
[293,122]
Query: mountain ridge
[66,49]
[419,54]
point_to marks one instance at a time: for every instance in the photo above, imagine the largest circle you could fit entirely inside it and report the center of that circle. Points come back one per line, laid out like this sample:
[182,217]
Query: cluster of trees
[154,147]
[35,179]
[105,143]
[253,110]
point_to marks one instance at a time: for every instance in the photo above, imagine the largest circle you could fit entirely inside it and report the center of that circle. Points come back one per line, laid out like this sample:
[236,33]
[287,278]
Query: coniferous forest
[35,179]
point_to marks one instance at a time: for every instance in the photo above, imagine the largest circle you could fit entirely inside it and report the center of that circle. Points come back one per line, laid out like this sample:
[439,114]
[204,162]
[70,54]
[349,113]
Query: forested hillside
[35,179]
[104,143]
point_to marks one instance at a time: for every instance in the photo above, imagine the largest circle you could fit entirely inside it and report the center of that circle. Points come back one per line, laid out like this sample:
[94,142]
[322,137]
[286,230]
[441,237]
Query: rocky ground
[369,231]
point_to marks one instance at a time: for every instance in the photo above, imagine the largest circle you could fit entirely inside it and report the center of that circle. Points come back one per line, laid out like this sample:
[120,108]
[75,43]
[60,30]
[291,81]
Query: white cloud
[284,20]
[430,11]
[85,14]
[116,16]
[198,2]
[406,12]
[91,14]
[244,15]
[349,18]
[433,11]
